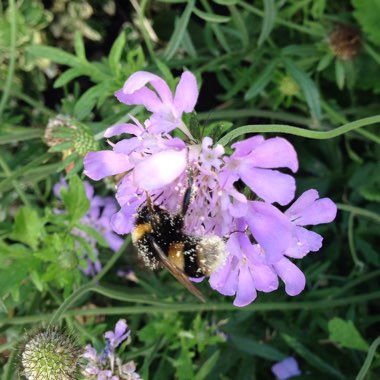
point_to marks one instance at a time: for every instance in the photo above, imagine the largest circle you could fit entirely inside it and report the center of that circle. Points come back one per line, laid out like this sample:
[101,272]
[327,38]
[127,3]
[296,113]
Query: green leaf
[325,61]
[68,76]
[340,73]
[226,2]
[89,99]
[255,348]
[79,46]
[208,366]
[269,19]
[179,31]
[28,227]
[75,199]
[311,358]
[210,17]
[308,87]
[368,15]
[115,53]
[346,334]
[54,54]
[261,81]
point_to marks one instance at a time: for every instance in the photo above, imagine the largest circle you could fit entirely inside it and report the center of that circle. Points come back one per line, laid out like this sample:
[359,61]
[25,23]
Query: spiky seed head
[83,142]
[54,126]
[49,354]
[345,41]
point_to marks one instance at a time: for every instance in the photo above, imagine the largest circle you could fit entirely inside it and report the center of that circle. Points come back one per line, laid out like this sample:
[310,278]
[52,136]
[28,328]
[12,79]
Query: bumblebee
[161,242]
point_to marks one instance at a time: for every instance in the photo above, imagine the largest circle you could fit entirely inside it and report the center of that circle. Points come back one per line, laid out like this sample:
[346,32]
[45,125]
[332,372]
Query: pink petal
[119,129]
[270,185]
[160,169]
[293,277]
[98,165]
[246,292]
[138,80]
[270,228]
[186,94]
[275,153]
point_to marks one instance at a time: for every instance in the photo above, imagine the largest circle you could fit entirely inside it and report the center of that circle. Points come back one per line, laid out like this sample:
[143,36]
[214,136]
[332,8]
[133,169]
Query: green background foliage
[269,68]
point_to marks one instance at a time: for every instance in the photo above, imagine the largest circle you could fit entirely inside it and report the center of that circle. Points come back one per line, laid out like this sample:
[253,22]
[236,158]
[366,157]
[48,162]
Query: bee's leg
[187,197]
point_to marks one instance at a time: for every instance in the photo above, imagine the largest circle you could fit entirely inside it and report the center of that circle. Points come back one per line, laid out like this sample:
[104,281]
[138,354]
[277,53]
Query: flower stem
[281,128]
[368,360]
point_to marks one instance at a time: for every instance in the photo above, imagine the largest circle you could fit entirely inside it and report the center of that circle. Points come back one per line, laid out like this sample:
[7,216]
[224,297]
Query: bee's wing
[177,273]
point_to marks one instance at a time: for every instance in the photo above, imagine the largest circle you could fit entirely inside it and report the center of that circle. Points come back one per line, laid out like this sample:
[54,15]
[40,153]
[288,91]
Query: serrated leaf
[179,30]
[68,76]
[54,55]
[75,199]
[210,17]
[269,20]
[261,81]
[115,53]
[308,87]
[311,358]
[346,334]
[28,227]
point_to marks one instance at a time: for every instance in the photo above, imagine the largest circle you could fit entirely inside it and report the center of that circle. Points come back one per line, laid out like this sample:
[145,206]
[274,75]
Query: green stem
[363,278]
[351,242]
[15,184]
[164,307]
[12,58]
[280,128]
[368,360]
[112,260]
[289,24]
[10,368]
[91,286]
[359,211]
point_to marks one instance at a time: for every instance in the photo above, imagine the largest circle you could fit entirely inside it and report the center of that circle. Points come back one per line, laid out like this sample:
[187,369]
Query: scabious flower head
[286,369]
[106,364]
[49,354]
[98,217]
[260,237]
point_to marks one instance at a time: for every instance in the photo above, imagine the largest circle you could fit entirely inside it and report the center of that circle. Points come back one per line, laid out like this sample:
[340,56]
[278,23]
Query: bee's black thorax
[167,231]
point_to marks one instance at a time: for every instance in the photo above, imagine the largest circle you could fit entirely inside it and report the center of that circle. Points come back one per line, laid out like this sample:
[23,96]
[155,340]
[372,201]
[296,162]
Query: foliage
[273,63]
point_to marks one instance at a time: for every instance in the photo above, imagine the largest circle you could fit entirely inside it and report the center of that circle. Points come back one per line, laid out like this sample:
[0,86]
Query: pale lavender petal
[89,190]
[123,221]
[321,211]
[274,153]
[159,125]
[270,185]
[186,93]
[246,292]
[245,147]
[270,228]
[127,146]
[138,80]
[58,187]
[98,165]
[225,280]
[265,278]
[303,242]
[303,201]
[119,129]
[114,241]
[160,169]
[144,96]
[292,276]
[286,369]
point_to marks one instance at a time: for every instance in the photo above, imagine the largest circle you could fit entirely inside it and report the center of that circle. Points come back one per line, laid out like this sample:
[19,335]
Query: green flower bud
[83,142]
[288,86]
[49,354]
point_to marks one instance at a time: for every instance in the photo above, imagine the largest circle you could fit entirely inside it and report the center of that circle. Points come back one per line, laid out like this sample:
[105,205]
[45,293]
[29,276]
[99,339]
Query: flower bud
[345,41]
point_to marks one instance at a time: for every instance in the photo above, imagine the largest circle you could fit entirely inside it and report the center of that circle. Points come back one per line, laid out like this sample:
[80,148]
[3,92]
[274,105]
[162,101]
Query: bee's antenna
[227,236]
[149,203]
